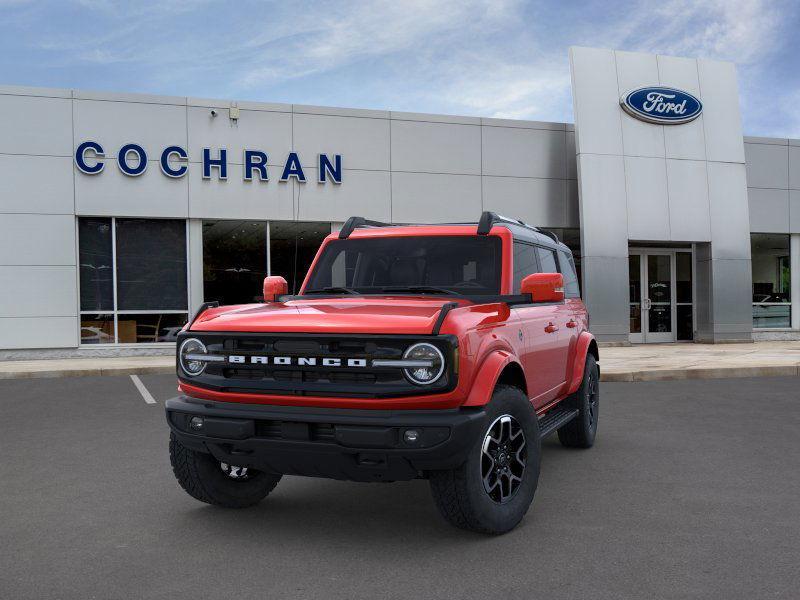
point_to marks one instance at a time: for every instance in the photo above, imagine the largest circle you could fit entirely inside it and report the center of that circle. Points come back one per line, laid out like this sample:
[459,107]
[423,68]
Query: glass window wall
[772,306]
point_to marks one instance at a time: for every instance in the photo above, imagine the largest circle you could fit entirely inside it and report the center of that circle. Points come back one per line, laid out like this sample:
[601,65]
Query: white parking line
[148,397]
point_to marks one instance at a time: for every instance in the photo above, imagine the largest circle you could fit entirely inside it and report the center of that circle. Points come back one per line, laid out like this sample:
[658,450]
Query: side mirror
[544,287]
[274,286]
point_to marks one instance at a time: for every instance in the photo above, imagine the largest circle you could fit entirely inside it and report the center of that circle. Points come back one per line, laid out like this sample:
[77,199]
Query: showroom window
[133,280]
[237,255]
[772,306]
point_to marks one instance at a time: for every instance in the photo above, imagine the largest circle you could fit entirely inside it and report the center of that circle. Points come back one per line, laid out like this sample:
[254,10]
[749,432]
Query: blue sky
[489,58]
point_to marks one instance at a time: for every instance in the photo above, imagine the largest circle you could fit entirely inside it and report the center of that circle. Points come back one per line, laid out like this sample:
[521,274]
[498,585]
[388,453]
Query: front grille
[296,379]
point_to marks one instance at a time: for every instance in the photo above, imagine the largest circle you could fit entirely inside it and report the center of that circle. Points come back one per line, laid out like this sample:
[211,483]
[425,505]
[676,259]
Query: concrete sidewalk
[633,363]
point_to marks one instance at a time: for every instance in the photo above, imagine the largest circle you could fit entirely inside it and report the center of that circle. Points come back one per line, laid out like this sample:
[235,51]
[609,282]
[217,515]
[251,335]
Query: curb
[105,371]
[700,373]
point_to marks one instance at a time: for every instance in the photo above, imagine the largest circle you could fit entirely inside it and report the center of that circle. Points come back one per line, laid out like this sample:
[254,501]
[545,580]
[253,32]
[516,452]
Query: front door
[660,295]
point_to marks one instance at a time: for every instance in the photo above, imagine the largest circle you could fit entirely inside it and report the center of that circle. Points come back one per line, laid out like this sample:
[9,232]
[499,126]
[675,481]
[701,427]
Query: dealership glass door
[660,295]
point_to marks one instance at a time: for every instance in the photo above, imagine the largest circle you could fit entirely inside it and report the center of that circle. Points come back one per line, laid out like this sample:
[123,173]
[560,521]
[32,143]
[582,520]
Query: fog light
[196,423]
[411,436]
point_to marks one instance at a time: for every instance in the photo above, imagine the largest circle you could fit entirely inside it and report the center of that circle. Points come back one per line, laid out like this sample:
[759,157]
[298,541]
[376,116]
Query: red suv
[442,352]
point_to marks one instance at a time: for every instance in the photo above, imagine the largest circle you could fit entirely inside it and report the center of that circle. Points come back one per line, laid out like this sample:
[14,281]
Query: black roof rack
[354,223]
[487,221]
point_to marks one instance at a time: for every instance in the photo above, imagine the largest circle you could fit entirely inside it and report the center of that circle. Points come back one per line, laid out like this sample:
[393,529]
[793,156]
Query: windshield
[467,265]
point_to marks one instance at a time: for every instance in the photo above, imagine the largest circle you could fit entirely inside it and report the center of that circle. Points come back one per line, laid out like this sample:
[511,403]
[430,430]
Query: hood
[384,314]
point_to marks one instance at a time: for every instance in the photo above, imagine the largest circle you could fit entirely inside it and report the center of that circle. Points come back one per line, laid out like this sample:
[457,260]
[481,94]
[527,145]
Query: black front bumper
[357,445]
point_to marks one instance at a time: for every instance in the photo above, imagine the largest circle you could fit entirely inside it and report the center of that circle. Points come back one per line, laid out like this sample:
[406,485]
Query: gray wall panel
[794,167]
[794,211]
[363,143]
[648,205]
[604,212]
[769,210]
[523,152]
[635,70]
[605,292]
[237,199]
[37,239]
[540,202]
[722,120]
[688,140]
[687,182]
[38,332]
[767,166]
[436,148]
[730,227]
[367,194]
[32,125]
[426,198]
[270,132]
[36,184]
[38,291]
[113,124]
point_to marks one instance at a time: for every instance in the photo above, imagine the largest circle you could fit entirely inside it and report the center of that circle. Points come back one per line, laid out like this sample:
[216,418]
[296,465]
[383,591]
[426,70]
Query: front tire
[582,430]
[206,479]
[493,489]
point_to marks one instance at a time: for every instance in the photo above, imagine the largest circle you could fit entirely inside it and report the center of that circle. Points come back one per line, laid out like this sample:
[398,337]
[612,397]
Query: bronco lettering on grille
[300,361]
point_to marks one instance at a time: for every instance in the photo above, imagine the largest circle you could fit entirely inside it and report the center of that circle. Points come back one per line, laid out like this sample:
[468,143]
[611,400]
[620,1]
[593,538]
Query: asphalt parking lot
[692,491]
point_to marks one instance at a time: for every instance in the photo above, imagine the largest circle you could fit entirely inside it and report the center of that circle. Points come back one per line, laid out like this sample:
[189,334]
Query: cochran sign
[663,105]
[132,161]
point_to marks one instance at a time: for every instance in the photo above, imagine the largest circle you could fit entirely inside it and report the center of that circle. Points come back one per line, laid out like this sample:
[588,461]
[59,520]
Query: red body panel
[548,341]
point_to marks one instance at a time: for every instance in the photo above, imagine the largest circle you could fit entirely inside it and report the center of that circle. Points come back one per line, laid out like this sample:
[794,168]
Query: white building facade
[121,213]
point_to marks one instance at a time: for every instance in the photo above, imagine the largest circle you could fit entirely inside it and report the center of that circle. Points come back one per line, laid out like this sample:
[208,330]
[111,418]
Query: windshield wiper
[423,289]
[332,290]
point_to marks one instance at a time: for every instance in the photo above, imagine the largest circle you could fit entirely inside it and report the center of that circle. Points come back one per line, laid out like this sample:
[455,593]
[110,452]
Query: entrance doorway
[661,295]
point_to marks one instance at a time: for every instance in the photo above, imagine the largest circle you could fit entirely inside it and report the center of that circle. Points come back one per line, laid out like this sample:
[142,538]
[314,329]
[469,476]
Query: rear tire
[582,430]
[206,479]
[493,489]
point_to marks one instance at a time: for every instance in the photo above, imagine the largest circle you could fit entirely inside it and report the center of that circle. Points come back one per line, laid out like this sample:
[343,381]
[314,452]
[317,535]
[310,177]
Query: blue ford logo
[663,105]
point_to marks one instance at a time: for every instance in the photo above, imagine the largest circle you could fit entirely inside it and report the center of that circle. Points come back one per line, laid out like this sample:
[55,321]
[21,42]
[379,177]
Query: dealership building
[121,213]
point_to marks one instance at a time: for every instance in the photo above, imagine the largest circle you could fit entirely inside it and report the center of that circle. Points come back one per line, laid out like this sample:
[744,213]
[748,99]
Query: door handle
[572,323]
[550,328]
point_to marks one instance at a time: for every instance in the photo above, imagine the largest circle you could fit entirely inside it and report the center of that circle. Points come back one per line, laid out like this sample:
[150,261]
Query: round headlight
[433,361]
[187,354]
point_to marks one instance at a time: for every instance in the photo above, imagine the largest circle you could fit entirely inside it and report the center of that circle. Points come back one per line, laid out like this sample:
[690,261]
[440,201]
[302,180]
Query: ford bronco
[442,352]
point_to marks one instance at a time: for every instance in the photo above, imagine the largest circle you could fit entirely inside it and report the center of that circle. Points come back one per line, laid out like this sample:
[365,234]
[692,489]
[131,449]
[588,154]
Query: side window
[547,258]
[524,263]
[571,288]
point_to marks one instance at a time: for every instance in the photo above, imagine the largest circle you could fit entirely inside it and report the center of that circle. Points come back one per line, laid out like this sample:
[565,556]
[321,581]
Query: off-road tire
[582,430]
[459,493]
[202,478]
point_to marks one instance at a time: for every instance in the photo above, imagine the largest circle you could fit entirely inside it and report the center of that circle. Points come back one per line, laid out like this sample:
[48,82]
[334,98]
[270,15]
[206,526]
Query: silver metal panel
[767,166]
[237,199]
[685,141]
[363,143]
[37,239]
[38,332]
[151,194]
[728,205]
[436,148]
[434,118]
[270,132]
[569,155]
[595,98]
[366,194]
[753,139]
[648,205]
[635,70]
[722,120]
[340,112]
[113,124]
[603,207]
[519,152]
[573,205]
[36,184]
[425,198]
[38,291]
[35,125]
[769,210]
[794,167]
[606,284]
[794,211]
[492,122]
[732,295]
[687,182]
[540,202]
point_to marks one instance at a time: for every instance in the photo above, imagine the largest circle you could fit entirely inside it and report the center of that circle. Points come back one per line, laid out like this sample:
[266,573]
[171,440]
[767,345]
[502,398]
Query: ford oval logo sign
[662,105]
